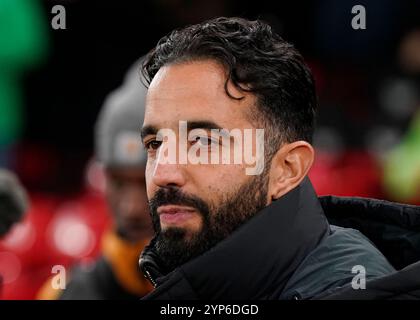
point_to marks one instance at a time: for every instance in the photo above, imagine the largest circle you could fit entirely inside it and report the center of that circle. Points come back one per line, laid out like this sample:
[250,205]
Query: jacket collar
[255,261]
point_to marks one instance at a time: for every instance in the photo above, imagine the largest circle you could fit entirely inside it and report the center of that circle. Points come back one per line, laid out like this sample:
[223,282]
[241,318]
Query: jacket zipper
[148,276]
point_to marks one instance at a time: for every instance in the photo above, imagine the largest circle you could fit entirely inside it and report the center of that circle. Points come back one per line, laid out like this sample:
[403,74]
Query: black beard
[218,222]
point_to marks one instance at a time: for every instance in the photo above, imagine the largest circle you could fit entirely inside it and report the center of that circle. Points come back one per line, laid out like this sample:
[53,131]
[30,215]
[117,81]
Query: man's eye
[205,141]
[152,145]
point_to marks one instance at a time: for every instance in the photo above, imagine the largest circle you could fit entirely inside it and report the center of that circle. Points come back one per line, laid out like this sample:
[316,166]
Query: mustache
[175,196]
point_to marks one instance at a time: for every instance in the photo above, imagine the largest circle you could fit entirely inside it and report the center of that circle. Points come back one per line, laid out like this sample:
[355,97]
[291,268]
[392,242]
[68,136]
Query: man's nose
[166,175]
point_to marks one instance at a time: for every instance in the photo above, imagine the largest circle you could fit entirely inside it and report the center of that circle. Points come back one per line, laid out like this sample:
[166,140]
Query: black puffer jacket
[395,230]
[291,251]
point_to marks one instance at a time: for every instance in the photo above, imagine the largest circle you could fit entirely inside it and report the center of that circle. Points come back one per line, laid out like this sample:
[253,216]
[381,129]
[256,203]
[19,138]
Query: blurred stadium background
[53,84]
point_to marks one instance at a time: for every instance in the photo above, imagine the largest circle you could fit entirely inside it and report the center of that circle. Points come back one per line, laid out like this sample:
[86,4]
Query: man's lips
[174,214]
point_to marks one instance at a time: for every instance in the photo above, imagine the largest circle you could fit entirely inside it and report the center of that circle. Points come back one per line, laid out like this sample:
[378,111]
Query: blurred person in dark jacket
[116,274]
[223,234]
[13,203]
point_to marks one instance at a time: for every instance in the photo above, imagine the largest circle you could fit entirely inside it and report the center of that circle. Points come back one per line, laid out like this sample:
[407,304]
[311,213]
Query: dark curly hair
[257,60]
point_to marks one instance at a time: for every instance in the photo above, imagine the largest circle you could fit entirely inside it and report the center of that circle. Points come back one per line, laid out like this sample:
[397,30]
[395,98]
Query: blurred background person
[402,166]
[13,204]
[116,274]
[402,162]
[13,201]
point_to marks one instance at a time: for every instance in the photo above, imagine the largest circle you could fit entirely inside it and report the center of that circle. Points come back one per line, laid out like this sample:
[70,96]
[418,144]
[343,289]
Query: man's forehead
[205,75]
[193,90]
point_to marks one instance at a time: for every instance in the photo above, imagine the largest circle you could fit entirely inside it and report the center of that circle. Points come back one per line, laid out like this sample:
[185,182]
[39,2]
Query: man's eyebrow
[208,125]
[146,130]
[203,124]
[191,125]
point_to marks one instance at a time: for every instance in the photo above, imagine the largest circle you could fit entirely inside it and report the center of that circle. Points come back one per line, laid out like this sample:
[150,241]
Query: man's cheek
[150,189]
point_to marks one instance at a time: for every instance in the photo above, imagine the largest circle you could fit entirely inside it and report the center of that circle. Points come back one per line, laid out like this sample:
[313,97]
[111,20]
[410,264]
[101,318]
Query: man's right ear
[289,167]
